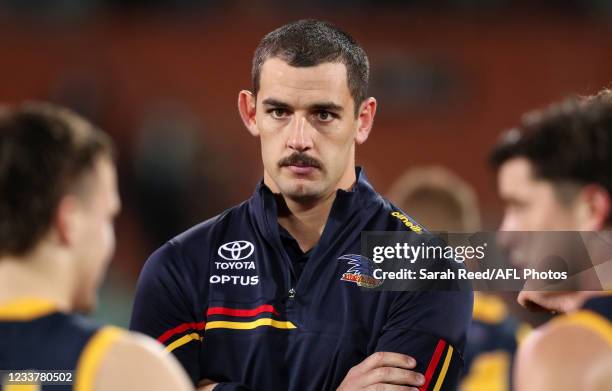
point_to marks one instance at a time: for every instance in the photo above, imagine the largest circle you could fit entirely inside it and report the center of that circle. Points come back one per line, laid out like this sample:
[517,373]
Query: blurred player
[58,198]
[554,174]
[439,199]
[444,202]
[268,295]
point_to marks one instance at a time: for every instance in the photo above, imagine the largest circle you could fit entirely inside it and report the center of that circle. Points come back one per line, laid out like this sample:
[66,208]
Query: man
[58,198]
[256,298]
[554,175]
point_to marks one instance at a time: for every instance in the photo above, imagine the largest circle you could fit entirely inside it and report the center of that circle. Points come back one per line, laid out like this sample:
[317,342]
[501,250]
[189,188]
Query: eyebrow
[321,106]
[275,103]
[327,106]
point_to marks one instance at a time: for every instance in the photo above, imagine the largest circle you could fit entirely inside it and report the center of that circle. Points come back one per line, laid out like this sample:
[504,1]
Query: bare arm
[563,357]
[137,362]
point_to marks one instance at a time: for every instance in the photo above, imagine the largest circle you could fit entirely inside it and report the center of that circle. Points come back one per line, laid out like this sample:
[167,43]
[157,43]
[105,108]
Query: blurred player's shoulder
[133,361]
[35,334]
[595,318]
[30,325]
[573,351]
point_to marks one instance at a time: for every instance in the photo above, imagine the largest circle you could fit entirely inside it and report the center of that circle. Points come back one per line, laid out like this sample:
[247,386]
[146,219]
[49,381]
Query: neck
[306,219]
[43,274]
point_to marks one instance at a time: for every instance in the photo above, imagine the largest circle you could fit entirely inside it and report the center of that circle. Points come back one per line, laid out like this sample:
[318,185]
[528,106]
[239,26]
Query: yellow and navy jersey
[225,299]
[491,345]
[35,337]
[595,315]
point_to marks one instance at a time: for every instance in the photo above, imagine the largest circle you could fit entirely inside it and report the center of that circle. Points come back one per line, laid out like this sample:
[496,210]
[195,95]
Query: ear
[593,208]
[247,109]
[365,120]
[66,223]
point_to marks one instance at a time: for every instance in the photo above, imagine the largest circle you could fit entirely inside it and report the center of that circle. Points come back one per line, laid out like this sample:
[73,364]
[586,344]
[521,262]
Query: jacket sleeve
[165,309]
[432,328]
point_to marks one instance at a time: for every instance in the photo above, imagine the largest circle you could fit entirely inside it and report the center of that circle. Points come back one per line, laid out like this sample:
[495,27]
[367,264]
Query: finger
[532,302]
[389,387]
[390,375]
[386,359]
[523,298]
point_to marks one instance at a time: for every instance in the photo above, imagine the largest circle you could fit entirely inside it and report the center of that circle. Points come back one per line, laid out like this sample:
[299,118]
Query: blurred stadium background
[162,78]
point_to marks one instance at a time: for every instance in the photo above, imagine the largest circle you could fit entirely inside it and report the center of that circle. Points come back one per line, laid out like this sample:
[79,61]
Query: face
[94,242]
[531,204]
[305,118]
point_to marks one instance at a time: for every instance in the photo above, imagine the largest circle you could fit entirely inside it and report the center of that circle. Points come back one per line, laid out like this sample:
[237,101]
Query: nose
[300,138]
[510,240]
[508,223]
[504,235]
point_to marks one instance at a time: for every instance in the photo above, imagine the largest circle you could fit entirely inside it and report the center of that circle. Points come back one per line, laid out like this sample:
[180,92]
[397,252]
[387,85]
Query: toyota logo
[235,251]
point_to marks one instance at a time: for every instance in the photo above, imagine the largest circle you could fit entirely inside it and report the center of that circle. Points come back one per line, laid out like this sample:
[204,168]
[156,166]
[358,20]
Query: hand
[554,302]
[383,371]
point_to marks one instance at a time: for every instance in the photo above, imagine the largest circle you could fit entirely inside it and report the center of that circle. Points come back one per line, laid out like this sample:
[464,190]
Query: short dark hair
[308,43]
[567,143]
[45,150]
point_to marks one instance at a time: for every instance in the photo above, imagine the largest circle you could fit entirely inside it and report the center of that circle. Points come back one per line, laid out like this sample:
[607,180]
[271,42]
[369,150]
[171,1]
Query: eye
[324,116]
[278,113]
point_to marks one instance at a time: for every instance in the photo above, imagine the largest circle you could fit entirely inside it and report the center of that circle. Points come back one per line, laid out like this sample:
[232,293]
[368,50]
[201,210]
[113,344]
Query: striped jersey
[35,337]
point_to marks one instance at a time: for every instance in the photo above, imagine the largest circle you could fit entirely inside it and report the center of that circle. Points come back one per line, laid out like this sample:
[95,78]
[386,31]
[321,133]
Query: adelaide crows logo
[361,271]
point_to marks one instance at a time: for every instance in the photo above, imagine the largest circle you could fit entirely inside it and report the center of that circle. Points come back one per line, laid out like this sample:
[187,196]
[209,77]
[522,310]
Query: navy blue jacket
[223,297]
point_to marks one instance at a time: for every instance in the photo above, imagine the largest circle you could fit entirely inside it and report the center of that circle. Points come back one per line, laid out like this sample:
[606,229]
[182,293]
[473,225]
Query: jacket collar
[347,203]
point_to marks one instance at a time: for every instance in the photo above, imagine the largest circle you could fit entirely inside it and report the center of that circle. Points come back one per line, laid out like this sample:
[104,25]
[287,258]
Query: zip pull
[291,293]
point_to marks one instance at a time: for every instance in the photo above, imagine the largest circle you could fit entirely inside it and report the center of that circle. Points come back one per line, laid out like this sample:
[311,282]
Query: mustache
[299,159]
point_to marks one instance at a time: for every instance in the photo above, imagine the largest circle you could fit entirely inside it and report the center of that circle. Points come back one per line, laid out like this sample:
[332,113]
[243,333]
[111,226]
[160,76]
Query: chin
[302,192]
